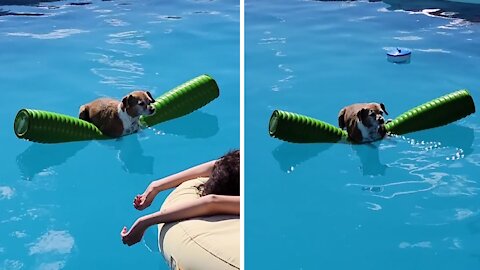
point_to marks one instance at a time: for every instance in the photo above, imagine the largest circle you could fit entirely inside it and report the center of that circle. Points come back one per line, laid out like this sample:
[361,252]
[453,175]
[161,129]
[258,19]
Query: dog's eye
[141,103]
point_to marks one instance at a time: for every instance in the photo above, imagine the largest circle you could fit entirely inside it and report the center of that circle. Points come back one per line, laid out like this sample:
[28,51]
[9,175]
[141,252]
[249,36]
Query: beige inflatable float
[206,243]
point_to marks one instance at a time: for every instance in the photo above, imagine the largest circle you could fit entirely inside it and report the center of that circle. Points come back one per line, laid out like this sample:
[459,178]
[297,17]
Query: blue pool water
[403,203]
[63,205]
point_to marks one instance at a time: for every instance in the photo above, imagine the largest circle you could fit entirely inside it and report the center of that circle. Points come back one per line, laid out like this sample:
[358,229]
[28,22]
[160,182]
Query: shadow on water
[452,135]
[370,159]
[130,154]
[474,225]
[290,155]
[38,158]
[193,126]
[463,9]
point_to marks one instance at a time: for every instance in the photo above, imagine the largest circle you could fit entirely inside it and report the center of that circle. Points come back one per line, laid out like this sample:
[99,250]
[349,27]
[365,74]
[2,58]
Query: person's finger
[123,233]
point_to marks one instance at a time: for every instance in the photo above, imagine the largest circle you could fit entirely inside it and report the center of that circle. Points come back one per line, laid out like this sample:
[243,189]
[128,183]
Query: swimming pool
[403,203]
[63,205]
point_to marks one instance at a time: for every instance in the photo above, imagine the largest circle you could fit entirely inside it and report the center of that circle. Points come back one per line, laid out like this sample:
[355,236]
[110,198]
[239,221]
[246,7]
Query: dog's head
[371,115]
[138,103]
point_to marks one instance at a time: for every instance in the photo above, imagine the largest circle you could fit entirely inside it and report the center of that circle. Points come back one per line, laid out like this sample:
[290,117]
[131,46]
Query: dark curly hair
[225,177]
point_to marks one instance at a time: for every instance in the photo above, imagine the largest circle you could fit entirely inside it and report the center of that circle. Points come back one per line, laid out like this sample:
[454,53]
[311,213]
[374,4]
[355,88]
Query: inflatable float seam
[204,248]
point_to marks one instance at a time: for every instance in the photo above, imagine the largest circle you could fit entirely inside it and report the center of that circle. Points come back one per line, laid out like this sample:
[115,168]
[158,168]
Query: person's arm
[144,200]
[204,206]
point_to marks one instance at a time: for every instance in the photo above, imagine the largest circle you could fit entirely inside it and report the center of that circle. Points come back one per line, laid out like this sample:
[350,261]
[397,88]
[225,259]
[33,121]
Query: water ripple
[59,242]
[408,38]
[6,192]
[56,34]
[454,243]
[432,50]
[374,206]
[273,40]
[126,66]
[364,18]
[19,234]
[135,38]
[423,244]
[126,82]
[116,22]
[474,159]
[57,265]
[461,214]
[9,264]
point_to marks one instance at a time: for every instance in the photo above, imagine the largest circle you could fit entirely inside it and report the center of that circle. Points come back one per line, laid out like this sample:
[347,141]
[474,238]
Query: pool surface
[63,205]
[407,202]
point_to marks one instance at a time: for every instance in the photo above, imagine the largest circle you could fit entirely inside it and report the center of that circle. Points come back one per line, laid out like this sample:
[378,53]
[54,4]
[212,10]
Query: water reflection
[38,158]
[453,135]
[192,126]
[370,159]
[150,239]
[427,160]
[290,155]
[130,154]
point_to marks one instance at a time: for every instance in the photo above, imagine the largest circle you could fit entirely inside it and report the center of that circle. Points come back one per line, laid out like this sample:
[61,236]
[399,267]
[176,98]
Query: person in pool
[219,195]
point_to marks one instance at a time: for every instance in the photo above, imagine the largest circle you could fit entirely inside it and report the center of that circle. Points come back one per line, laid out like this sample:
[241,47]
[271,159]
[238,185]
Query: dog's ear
[341,118]
[363,113]
[83,113]
[126,101]
[383,108]
[150,96]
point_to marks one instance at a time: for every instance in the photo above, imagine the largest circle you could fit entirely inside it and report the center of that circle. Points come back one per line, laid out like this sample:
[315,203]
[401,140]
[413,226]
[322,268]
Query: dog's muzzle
[380,120]
[151,109]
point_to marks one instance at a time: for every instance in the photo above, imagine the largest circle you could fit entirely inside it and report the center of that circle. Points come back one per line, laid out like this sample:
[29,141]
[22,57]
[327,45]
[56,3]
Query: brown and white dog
[364,121]
[115,118]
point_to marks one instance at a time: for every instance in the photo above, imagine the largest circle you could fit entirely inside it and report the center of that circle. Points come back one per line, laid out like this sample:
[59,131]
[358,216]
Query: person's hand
[135,234]
[142,201]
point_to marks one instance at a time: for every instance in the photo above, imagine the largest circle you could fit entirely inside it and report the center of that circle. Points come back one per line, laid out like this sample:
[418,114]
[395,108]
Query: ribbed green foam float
[49,127]
[293,127]
[438,112]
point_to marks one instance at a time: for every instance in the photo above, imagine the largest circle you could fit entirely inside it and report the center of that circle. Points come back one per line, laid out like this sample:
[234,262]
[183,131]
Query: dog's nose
[381,120]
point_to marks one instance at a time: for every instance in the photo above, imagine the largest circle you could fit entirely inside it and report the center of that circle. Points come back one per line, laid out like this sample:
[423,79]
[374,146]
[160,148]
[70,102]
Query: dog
[117,118]
[364,121]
